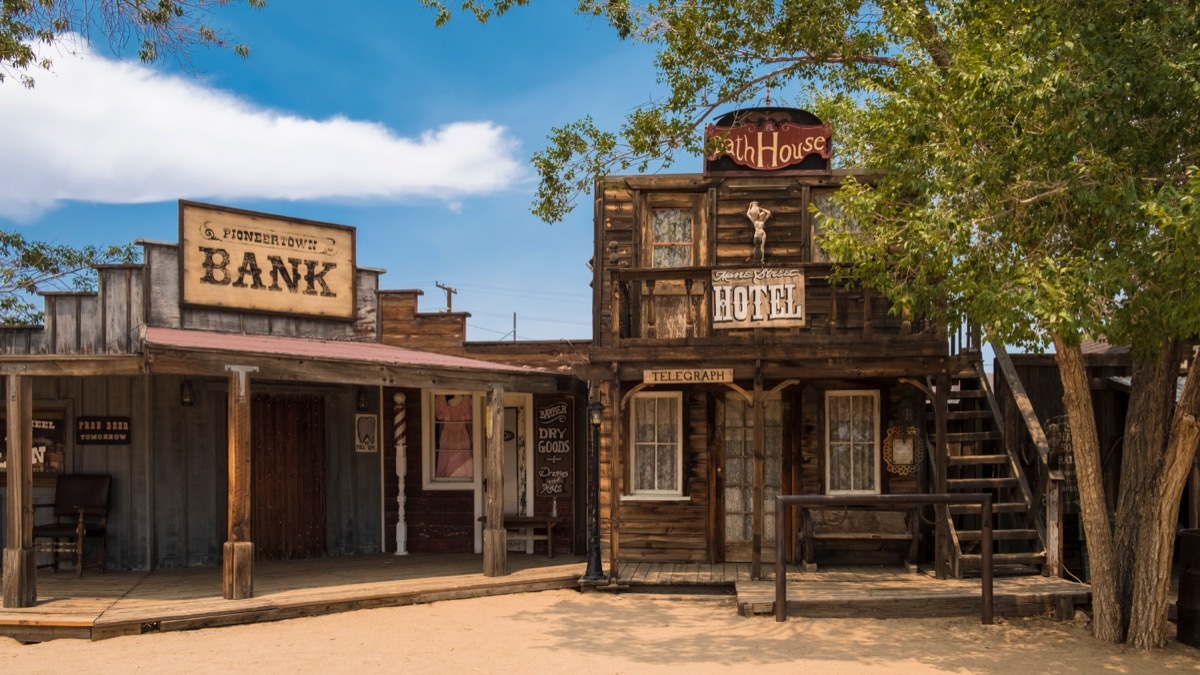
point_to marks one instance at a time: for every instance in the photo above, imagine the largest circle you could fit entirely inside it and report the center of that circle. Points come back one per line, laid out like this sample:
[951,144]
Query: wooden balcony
[657,314]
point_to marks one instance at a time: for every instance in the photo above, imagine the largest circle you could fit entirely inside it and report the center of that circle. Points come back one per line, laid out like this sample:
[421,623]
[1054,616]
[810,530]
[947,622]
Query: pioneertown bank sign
[241,260]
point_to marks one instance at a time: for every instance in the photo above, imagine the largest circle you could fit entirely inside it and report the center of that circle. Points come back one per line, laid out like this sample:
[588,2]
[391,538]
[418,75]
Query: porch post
[759,479]
[238,559]
[20,563]
[941,545]
[617,408]
[495,537]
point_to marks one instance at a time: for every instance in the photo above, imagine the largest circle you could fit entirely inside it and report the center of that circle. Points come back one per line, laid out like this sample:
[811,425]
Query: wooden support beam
[616,471]
[757,487]
[20,563]
[942,453]
[495,537]
[238,561]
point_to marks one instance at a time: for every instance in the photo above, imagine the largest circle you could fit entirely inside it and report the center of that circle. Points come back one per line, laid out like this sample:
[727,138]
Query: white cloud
[117,132]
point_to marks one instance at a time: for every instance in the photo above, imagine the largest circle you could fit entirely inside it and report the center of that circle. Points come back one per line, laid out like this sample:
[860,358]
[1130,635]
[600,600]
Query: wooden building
[253,394]
[733,369]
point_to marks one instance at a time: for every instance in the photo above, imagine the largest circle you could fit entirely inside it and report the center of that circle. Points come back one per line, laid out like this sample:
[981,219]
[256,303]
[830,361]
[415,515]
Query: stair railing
[1049,480]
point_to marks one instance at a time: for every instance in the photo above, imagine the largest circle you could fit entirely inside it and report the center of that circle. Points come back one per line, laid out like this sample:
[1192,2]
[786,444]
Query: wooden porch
[98,606]
[859,591]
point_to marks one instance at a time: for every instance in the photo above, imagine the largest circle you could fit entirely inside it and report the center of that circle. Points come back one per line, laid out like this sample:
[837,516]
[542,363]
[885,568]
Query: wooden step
[969,414]
[966,393]
[972,436]
[977,460]
[973,484]
[975,560]
[1000,507]
[997,535]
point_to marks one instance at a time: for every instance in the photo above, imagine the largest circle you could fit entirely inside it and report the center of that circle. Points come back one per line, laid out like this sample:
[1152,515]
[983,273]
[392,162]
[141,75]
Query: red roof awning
[337,351]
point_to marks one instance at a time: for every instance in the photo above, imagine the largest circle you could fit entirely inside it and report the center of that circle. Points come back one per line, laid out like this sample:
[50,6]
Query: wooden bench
[525,529]
[809,536]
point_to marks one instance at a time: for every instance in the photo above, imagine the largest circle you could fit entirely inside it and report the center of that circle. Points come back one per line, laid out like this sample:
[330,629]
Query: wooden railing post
[1054,528]
[238,560]
[495,537]
[20,562]
[651,330]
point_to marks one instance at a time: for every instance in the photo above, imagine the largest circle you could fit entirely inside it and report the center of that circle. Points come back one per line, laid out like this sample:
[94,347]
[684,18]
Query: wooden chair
[80,511]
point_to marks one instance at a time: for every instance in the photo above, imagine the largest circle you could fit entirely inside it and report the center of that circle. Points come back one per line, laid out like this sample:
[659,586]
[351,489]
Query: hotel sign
[758,298]
[771,145]
[688,376]
[241,260]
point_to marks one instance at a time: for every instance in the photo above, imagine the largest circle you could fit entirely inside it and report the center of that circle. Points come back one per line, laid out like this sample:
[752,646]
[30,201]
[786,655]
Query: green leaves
[159,28]
[27,267]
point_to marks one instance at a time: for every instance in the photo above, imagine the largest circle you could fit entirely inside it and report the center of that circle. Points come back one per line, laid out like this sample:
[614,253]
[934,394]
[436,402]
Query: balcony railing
[676,305]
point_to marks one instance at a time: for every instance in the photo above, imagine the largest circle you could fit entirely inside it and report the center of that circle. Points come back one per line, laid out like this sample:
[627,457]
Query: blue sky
[417,136]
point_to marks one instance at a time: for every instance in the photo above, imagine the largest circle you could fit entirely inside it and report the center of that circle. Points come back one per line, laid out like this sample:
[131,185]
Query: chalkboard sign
[554,446]
[1062,457]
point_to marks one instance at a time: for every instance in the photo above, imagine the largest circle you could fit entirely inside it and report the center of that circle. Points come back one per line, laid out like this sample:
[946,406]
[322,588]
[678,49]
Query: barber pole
[400,426]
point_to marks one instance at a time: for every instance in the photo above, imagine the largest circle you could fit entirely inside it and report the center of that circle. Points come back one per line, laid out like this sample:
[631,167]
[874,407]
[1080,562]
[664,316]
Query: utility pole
[450,293]
[514,326]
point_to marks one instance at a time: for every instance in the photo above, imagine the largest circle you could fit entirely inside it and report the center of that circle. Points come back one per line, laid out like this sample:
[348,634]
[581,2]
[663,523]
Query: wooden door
[738,474]
[288,476]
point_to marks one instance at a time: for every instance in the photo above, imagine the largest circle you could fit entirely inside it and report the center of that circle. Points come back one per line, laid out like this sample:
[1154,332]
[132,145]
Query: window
[852,442]
[657,445]
[452,440]
[825,206]
[671,237]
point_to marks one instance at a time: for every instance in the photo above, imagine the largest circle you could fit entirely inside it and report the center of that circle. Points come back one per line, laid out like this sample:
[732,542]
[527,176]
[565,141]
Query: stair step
[1000,507]
[966,393]
[969,415]
[975,560]
[997,535]
[972,484]
[967,436]
[977,460]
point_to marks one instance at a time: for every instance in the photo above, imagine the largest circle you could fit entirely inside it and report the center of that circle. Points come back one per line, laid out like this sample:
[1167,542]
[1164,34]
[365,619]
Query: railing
[1049,479]
[984,500]
[635,311]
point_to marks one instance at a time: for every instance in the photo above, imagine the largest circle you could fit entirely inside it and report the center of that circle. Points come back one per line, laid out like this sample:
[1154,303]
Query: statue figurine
[758,216]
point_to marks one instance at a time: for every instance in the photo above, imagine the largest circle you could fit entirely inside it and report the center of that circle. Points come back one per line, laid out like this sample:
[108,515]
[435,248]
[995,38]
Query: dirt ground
[566,632]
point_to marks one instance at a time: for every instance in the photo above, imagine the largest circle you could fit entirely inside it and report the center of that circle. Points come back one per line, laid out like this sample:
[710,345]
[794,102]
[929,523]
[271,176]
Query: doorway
[287,441]
[738,473]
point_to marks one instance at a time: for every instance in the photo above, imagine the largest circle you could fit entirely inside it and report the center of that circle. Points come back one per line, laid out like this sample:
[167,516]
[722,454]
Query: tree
[1038,178]
[156,27]
[27,267]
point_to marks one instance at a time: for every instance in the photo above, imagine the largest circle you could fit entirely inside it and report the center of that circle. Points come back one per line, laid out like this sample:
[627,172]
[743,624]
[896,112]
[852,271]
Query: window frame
[672,494]
[876,453]
[429,479]
[694,204]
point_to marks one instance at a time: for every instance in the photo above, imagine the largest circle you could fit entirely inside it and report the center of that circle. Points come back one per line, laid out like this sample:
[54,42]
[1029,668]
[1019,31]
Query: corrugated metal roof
[327,350]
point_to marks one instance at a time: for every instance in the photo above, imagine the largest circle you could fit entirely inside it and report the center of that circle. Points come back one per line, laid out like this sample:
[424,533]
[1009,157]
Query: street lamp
[595,571]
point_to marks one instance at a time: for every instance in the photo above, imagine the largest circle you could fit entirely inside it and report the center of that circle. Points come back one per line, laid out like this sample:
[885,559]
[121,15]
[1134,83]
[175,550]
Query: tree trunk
[1151,402]
[1085,446]
[1152,571]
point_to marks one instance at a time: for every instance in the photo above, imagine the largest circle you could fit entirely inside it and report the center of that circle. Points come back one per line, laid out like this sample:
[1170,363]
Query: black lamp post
[595,571]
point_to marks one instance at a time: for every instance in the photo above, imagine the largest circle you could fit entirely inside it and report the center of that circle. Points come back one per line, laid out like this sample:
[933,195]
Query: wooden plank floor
[115,603]
[886,592]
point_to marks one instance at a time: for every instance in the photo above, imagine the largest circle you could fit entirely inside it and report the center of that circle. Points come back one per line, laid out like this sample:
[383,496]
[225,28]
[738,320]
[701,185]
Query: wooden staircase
[978,462]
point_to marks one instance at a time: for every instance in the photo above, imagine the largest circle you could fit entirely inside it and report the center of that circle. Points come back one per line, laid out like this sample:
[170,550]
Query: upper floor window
[822,199]
[671,237]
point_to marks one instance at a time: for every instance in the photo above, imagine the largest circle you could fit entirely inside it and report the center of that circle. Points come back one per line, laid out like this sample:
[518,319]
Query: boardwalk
[98,606]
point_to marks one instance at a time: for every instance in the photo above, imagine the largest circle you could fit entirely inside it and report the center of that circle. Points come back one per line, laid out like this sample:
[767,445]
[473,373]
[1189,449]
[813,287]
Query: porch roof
[170,350]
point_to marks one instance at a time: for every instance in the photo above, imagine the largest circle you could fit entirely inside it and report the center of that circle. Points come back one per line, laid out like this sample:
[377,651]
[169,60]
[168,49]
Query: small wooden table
[525,528]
